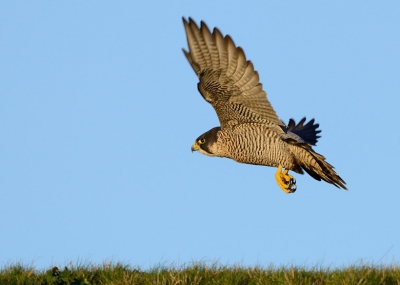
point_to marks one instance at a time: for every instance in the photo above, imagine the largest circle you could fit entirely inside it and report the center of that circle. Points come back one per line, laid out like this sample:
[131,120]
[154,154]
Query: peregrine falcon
[250,130]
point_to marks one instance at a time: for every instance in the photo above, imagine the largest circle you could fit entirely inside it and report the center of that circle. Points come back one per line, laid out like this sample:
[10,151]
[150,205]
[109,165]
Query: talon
[285,181]
[293,186]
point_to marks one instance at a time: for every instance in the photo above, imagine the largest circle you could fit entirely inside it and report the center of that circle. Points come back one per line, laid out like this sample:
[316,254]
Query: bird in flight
[250,131]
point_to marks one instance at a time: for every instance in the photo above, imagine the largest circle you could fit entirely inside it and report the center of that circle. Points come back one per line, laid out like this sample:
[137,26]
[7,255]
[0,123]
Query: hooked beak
[195,147]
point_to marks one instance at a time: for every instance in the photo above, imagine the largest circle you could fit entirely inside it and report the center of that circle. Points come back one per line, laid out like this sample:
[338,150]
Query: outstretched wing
[226,79]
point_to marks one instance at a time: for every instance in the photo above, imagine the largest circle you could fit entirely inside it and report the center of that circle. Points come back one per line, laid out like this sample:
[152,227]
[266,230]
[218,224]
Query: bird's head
[207,143]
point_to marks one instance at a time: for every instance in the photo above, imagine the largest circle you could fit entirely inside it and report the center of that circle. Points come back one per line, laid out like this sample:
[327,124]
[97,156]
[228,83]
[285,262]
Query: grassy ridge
[200,274]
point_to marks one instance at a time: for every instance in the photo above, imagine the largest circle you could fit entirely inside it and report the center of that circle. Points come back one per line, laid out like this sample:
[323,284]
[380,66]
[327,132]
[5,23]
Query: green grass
[199,273]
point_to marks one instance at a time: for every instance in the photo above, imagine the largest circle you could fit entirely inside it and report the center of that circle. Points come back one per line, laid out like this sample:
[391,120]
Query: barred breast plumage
[258,144]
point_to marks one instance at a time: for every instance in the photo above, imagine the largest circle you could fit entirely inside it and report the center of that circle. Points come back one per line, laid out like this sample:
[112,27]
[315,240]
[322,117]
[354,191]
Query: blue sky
[99,109]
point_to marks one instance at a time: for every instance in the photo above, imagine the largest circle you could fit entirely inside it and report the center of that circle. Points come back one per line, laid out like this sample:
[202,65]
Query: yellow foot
[285,180]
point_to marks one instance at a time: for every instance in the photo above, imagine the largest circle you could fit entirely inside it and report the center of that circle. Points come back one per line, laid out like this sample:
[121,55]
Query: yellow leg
[285,180]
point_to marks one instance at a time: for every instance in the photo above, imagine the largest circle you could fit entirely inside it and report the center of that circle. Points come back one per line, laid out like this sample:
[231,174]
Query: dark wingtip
[308,132]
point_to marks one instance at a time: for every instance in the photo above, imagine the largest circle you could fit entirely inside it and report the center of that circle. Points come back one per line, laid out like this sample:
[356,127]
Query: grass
[199,273]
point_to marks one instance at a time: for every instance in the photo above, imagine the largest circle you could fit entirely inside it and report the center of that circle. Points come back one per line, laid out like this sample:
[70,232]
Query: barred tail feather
[316,166]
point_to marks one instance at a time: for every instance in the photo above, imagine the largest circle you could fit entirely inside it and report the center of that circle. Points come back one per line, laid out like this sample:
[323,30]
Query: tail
[315,165]
[307,132]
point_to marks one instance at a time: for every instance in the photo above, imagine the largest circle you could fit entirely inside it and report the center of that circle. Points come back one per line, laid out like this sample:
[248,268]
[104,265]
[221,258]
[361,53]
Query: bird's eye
[201,141]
